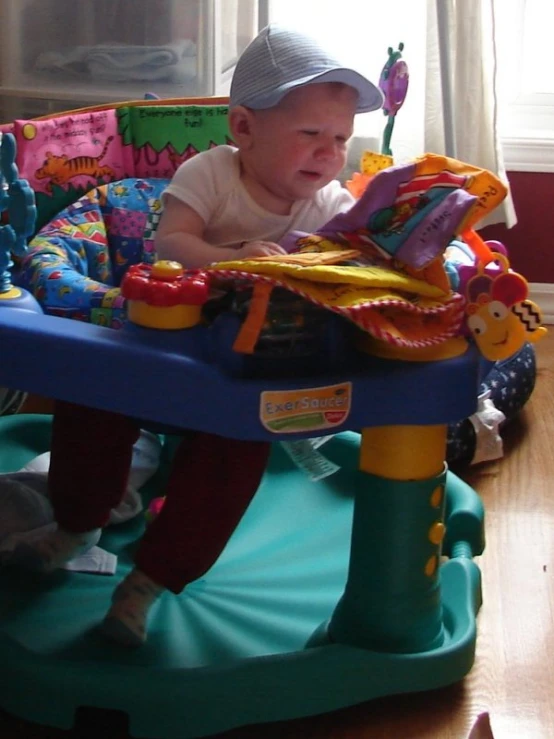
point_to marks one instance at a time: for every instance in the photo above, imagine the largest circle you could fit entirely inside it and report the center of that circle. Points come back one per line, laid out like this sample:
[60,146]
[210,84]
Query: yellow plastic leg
[403,452]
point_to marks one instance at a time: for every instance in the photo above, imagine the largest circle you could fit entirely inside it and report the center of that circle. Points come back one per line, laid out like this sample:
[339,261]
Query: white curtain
[360,32]
[461,104]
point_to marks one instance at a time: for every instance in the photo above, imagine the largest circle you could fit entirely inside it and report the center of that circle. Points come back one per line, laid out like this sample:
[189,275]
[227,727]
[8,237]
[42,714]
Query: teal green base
[230,650]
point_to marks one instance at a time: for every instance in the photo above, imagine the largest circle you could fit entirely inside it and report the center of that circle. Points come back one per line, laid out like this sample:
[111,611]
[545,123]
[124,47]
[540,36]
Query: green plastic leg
[392,600]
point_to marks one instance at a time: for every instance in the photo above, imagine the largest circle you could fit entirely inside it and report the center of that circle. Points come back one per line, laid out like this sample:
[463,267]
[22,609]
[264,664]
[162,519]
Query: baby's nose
[327,149]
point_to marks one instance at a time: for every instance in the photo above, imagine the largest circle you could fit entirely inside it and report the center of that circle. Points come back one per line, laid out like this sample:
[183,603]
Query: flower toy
[164,295]
[393,83]
[394,86]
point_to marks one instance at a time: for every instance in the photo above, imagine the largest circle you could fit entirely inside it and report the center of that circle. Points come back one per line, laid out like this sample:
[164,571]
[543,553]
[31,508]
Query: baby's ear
[241,126]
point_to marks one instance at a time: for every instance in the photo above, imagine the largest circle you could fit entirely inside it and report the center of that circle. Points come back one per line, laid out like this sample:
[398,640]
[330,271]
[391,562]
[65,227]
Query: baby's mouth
[310,175]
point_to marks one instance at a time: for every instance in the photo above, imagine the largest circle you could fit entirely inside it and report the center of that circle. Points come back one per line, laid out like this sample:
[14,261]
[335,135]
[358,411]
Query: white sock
[54,549]
[126,621]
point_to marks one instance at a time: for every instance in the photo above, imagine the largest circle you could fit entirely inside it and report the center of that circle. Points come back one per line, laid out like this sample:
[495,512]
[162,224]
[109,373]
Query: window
[526,83]
[360,32]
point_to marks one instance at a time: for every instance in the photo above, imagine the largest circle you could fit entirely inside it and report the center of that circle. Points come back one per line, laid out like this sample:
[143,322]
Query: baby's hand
[259,249]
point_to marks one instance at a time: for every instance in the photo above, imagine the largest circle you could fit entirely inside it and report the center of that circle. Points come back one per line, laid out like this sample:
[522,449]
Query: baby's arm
[180,237]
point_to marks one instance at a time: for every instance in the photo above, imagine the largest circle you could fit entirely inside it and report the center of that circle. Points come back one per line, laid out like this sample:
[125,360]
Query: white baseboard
[542,293]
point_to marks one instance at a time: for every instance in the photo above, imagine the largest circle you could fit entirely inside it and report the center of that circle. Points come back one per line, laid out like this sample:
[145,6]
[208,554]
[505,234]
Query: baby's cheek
[341,154]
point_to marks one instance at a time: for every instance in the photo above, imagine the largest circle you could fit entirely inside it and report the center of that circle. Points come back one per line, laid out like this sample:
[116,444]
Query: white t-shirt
[210,184]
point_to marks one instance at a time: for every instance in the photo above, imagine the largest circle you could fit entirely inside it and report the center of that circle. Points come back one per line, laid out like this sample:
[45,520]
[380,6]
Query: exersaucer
[330,592]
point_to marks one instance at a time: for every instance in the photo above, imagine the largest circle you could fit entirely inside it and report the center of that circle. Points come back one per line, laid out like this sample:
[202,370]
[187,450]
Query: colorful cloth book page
[163,136]
[65,156]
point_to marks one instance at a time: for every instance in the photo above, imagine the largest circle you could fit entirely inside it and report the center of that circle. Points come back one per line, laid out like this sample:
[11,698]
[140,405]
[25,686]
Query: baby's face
[299,146]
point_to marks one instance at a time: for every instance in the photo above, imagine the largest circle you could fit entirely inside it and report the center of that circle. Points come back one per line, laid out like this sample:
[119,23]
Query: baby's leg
[89,467]
[212,482]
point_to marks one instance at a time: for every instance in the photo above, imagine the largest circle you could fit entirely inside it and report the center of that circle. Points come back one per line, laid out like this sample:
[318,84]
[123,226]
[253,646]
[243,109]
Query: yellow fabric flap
[350,276]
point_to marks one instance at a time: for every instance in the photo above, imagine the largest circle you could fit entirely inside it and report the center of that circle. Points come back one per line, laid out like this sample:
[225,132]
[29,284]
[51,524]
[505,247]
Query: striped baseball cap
[280,59]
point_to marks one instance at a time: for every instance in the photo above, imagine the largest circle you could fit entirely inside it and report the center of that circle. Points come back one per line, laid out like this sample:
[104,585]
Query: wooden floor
[513,676]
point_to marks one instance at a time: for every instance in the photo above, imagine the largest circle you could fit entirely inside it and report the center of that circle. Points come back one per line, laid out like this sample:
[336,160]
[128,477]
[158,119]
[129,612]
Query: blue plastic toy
[328,594]
[17,199]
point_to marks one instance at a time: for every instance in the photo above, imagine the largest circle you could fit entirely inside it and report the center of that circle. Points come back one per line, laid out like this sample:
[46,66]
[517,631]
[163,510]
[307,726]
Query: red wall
[530,243]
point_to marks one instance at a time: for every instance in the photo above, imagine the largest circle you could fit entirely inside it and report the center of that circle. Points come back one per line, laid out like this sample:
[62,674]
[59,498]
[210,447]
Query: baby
[292,108]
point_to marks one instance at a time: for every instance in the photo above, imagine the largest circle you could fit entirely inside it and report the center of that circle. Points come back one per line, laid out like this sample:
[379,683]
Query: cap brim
[370,96]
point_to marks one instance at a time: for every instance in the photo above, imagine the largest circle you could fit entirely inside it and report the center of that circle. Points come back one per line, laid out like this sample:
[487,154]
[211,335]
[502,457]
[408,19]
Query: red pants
[211,484]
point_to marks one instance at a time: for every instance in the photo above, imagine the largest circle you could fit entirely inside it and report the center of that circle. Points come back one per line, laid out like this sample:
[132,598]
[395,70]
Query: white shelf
[99,92]
[218,29]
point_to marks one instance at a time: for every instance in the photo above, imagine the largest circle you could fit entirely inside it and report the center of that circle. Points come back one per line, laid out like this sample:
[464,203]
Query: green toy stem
[387,136]
[391,602]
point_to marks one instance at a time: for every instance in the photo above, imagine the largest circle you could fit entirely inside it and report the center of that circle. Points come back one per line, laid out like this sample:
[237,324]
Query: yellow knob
[167,270]
[431,566]
[436,496]
[437,532]
[13,292]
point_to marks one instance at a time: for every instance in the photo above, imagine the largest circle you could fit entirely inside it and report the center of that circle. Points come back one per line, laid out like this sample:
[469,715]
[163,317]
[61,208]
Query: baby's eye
[310,132]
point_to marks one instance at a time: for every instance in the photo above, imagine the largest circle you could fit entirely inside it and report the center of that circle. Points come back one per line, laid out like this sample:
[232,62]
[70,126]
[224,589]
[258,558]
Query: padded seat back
[76,261]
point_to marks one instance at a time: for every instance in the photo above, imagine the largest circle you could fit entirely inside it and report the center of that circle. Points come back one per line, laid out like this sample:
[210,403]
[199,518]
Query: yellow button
[437,532]
[436,497]
[13,292]
[431,566]
[165,269]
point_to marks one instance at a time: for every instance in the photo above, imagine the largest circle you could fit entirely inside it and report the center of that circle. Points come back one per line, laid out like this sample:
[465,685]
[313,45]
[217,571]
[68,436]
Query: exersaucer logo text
[309,409]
